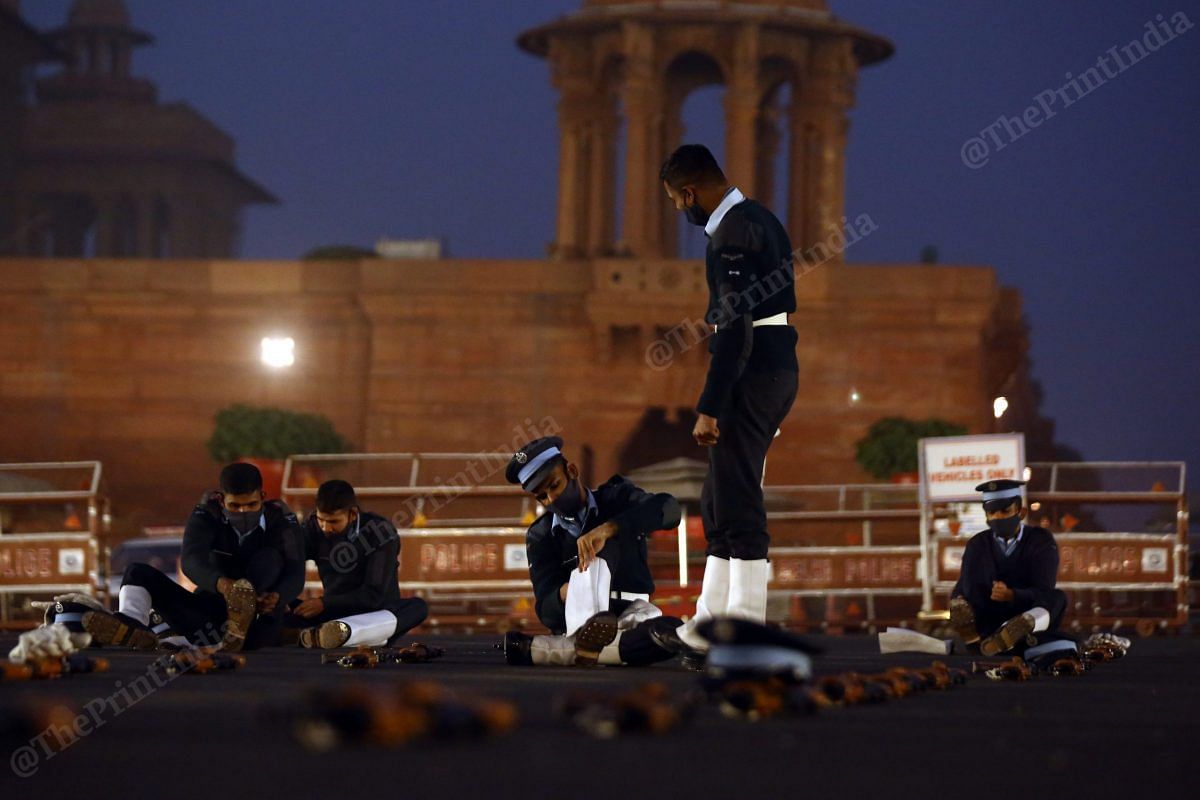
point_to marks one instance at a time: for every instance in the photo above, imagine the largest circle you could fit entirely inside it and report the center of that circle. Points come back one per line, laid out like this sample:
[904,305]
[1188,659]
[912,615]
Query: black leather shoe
[663,631]
[593,636]
[734,631]
[119,630]
[516,649]
[962,620]
[1009,636]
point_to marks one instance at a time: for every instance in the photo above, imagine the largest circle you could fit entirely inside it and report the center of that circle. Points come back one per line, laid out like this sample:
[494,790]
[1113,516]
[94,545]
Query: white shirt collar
[1010,545]
[575,526]
[731,199]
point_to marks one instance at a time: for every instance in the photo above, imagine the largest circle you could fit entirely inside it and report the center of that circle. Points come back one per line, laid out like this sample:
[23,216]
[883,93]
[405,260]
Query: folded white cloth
[48,641]
[902,640]
[587,594]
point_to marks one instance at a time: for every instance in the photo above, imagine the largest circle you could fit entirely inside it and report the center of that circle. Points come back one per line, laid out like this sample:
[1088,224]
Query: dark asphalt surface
[1125,729]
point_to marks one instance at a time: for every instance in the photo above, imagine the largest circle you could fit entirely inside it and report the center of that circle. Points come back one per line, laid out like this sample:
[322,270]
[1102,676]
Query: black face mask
[695,214]
[1007,527]
[243,521]
[570,502]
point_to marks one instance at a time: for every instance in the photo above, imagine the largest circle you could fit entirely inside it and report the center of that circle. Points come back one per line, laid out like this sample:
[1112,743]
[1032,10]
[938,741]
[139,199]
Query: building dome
[98,14]
[818,6]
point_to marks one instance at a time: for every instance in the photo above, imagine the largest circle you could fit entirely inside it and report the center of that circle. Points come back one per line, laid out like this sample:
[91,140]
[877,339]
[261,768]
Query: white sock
[611,654]
[748,589]
[1041,618]
[713,600]
[373,628]
[134,602]
[554,651]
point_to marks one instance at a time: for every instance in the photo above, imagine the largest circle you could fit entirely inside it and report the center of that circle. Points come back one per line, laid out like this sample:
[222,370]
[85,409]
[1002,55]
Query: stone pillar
[601,181]
[642,95]
[106,225]
[766,148]
[742,98]
[143,206]
[571,77]
[819,130]
[672,137]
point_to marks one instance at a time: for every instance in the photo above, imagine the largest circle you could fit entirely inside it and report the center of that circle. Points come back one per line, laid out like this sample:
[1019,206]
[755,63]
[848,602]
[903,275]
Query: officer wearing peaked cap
[587,562]
[1005,594]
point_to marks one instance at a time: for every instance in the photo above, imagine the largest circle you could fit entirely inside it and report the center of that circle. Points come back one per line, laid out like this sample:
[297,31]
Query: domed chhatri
[642,58]
[103,15]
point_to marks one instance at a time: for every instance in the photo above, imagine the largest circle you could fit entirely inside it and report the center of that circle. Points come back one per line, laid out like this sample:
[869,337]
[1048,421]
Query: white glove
[48,641]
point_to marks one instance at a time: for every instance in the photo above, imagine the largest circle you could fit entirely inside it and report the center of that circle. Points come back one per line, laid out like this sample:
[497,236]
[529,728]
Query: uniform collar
[1010,547]
[731,199]
[575,526]
[262,523]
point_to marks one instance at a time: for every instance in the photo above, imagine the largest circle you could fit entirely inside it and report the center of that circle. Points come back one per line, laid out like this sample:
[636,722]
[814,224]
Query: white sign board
[952,466]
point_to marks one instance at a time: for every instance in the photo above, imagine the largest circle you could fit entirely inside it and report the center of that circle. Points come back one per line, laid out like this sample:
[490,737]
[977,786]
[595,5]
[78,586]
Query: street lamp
[278,351]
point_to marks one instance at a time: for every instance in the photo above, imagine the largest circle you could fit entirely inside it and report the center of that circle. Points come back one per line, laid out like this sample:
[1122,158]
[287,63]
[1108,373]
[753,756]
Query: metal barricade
[1131,577]
[842,544]
[52,515]
[461,526]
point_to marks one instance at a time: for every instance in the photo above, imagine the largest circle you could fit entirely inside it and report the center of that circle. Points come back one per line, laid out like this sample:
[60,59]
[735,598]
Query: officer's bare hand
[310,608]
[706,432]
[267,602]
[592,542]
[1001,593]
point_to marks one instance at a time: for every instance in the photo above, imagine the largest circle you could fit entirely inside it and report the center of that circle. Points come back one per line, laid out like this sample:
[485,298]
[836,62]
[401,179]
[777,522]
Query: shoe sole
[1007,637]
[593,636]
[332,635]
[240,608]
[962,620]
[109,630]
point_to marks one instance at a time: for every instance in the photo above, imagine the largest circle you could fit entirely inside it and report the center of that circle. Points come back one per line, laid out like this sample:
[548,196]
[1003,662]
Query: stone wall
[127,361]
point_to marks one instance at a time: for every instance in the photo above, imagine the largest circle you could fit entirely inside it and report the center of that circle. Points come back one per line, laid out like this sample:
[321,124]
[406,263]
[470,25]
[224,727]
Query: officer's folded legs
[194,615]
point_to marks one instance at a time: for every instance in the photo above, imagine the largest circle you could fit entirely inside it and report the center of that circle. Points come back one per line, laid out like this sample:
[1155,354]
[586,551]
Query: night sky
[369,120]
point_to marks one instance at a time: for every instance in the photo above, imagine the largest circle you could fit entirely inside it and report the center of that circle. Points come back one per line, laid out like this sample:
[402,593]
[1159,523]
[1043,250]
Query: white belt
[629,596]
[775,319]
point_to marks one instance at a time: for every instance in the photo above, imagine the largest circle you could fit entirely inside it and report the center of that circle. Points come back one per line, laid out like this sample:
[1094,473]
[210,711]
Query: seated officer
[587,562]
[242,552]
[1006,589]
[357,555]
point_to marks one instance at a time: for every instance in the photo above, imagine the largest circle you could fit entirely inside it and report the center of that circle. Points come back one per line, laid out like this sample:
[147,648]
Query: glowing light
[999,406]
[1035,506]
[855,396]
[1027,474]
[278,351]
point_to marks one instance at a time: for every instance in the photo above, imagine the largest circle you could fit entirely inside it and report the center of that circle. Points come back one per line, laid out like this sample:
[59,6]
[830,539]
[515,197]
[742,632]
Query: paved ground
[1129,728]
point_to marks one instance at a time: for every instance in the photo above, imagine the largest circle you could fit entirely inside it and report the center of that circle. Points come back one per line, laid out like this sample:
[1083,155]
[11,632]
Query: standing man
[751,383]
[358,557]
[241,550]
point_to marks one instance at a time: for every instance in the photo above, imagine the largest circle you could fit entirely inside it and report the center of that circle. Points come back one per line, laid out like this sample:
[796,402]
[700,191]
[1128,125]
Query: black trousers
[731,500]
[410,613]
[200,615]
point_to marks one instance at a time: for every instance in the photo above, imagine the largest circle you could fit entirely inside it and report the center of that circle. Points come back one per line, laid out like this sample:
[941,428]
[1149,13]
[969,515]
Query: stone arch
[667,51]
[688,72]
